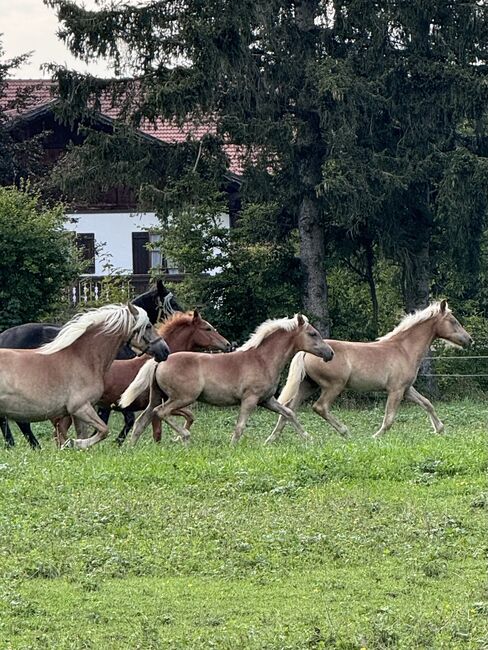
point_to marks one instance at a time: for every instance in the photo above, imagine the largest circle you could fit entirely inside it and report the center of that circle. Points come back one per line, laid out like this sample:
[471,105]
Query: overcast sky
[28,25]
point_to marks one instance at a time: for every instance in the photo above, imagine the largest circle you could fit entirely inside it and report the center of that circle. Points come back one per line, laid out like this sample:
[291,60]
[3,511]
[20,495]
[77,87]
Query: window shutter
[140,254]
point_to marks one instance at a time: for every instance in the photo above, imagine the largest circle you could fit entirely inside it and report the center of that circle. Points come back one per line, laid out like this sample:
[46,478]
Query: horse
[390,364]
[249,376]
[182,331]
[158,302]
[65,376]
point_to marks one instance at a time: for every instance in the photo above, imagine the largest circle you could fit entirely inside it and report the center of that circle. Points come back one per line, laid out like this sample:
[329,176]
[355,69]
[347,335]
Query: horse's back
[361,366]
[28,336]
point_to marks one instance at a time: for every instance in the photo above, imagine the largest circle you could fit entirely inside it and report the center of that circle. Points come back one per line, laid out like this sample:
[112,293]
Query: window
[85,241]
[143,259]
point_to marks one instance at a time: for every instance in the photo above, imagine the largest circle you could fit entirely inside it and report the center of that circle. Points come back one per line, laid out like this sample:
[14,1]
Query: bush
[38,260]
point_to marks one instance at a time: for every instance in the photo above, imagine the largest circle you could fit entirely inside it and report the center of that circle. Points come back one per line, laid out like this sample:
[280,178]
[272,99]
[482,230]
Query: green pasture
[356,544]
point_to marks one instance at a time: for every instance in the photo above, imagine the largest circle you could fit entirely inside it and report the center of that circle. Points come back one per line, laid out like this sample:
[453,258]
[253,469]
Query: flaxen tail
[296,375]
[142,381]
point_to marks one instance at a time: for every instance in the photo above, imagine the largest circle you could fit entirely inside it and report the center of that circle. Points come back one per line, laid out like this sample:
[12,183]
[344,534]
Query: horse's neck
[417,340]
[99,349]
[180,339]
[276,351]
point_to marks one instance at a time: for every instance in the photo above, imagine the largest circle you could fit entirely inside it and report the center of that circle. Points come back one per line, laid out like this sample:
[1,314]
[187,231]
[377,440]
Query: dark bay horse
[65,377]
[158,302]
[389,364]
[249,376]
[182,331]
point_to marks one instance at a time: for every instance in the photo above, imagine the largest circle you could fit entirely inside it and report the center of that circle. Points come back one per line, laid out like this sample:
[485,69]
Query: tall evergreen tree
[352,113]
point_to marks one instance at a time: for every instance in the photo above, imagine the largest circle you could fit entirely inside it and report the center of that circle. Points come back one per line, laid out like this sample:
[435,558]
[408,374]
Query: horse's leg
[174,407]
[184,413]
[129,419]
[155,399]
[25,427]
[61,427]
[392,404]
[7,433]
[415,397]
[156,428]
[273,405]
[88,415]
[305,389]
[323,404]
[247,407]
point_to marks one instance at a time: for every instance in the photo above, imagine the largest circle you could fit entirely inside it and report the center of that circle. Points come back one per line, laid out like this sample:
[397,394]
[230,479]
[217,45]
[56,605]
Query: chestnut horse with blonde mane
[65,377]
[249,376]
[181,331]
[389,364]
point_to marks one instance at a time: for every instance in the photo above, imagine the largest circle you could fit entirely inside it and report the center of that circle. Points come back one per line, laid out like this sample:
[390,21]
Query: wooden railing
[89,288]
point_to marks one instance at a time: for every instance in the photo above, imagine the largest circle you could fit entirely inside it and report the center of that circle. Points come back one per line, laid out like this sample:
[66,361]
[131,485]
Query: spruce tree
[354,116]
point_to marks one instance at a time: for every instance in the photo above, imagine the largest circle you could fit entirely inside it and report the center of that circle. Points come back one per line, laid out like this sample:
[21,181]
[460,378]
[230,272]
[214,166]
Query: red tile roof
[39,92]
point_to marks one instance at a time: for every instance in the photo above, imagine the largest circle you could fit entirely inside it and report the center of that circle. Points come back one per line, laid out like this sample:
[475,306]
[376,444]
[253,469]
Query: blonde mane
[177,319]
[112,319]
[267,328]
[419,316]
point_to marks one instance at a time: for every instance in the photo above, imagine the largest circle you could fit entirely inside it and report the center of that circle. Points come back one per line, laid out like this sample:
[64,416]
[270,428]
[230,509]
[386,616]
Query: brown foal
[249,376]
[389,364]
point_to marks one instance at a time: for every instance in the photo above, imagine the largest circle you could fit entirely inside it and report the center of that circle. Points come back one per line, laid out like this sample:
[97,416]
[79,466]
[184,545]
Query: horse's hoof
[69,444]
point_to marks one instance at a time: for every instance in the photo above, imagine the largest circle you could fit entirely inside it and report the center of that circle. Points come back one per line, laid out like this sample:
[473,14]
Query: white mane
[419,316]
[112,319]
[268,327]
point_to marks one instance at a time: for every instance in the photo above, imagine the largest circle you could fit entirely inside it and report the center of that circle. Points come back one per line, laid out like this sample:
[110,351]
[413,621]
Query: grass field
[357,544]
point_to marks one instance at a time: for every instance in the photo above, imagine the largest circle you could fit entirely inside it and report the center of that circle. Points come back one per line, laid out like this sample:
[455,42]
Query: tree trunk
[372,285]
[312,256]
[417,278]
[416,285]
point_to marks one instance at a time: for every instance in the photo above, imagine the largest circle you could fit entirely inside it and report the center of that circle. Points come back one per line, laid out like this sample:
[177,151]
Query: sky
[28,25]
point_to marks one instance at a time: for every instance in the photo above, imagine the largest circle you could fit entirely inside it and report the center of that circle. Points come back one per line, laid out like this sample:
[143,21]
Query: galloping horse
[158,302]
[66,376]
[182,331]
[249,376]
[389,364]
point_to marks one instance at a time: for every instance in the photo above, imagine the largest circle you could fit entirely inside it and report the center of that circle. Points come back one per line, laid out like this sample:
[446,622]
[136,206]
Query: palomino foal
[389,364]
[249,376]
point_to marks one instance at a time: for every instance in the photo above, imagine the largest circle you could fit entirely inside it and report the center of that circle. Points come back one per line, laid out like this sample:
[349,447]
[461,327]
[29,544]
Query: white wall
[113,234]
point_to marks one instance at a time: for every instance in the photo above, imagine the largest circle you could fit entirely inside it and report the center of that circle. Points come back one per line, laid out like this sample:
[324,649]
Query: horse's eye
[208,329]
[312,334]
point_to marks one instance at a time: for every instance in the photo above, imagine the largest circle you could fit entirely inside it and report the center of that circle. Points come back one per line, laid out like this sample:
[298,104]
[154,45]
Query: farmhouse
[110,228]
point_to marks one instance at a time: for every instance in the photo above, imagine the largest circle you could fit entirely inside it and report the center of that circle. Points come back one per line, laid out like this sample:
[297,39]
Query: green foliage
[39,258]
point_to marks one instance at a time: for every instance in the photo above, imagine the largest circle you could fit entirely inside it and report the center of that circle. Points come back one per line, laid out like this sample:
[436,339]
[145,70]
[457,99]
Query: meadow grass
[356,544]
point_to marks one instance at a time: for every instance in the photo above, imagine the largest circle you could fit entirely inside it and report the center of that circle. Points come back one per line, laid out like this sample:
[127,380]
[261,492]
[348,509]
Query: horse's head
[309,339]
[158,302]
[144,338]
[449,328]
[205,336]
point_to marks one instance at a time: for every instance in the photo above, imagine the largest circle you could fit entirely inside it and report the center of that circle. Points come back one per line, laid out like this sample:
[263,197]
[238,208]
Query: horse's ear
[162,291]
[132,309]
[196,316]
[443,306]
[300,320]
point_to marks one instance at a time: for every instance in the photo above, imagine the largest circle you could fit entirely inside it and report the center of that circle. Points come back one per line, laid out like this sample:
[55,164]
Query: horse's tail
[141,382]
[296,375]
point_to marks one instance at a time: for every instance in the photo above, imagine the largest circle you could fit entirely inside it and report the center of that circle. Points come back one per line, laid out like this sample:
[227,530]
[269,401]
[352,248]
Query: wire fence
[456,375]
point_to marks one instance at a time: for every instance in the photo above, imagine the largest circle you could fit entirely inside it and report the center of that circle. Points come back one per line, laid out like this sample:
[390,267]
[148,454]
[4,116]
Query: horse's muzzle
[159,350]
[328,355]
